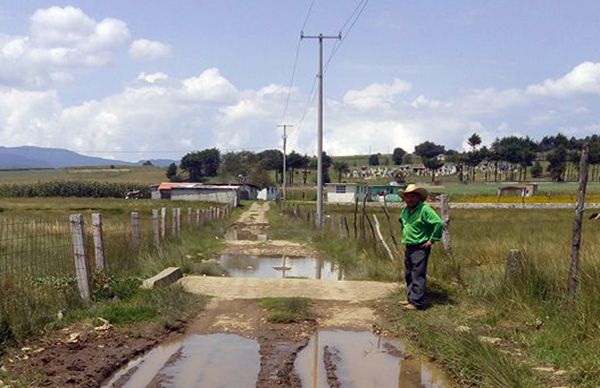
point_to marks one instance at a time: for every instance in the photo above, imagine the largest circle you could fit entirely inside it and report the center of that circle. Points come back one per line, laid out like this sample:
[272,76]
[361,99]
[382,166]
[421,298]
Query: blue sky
[146,79]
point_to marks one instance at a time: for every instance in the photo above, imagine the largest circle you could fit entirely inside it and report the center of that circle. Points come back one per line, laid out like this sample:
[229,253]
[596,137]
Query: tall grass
[531,310]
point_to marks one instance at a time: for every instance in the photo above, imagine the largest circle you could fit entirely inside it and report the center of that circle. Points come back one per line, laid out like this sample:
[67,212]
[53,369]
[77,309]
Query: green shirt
[421,225]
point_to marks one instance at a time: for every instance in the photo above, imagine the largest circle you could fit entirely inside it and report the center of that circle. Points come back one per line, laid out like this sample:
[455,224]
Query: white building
[268,193]
[345,192]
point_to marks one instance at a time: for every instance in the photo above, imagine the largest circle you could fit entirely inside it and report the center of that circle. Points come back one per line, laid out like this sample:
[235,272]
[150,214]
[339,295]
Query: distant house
[247,190]
[388,192]
[346,192]
[524,190]
[268,193]
[230,194]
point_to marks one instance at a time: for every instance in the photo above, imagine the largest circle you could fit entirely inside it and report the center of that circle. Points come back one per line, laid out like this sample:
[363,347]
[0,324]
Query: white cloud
[152,78]
[61,42]
[584,78]
[158,112]
[209,86]
[147,50]
[375,95]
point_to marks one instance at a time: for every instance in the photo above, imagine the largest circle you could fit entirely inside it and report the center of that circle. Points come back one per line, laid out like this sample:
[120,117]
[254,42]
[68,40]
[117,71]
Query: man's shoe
[409,306]
[404,302]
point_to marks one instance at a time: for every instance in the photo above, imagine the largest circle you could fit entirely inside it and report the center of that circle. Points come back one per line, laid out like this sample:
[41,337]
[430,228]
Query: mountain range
[41,157]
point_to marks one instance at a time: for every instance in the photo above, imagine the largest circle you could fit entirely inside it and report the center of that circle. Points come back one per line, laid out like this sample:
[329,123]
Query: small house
[524,190]
[346,192]
[268,193]
[185,191]
[387,193]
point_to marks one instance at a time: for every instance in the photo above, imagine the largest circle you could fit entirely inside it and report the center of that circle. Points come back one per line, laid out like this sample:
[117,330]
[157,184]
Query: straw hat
[412,188]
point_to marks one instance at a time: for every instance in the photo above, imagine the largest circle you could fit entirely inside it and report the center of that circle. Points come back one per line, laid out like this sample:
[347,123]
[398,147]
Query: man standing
[421,227]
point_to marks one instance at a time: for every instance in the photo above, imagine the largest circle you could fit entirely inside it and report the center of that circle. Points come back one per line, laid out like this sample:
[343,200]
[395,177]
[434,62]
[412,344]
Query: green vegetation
[287,310]
[73,189]
[528,315]
[38,287]
[137,174]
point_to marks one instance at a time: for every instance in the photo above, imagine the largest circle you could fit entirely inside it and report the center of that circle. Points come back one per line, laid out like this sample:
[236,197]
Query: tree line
[509,158]
[246,166]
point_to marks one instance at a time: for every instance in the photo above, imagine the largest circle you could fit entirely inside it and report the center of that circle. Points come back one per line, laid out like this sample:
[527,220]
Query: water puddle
[362,360]
[216,360]
[280,267]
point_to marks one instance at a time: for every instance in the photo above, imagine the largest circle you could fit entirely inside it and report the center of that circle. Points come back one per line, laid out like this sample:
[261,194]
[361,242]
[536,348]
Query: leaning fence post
[577,222]
[163,222]
[381,239]
[98,240]
[82,270]
[446,240]
[155,228]
[136,236]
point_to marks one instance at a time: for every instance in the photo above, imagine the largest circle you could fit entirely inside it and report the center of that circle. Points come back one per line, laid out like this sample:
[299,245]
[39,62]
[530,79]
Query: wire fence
[40,251]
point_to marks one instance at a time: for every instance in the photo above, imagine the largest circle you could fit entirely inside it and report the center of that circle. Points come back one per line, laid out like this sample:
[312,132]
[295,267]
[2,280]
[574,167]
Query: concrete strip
[165,277]
[253,288]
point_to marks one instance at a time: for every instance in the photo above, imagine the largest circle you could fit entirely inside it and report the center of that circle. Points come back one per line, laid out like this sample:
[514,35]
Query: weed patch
[287,310]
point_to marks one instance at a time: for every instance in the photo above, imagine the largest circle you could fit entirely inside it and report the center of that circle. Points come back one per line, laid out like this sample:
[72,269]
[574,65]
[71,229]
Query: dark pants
[415,271]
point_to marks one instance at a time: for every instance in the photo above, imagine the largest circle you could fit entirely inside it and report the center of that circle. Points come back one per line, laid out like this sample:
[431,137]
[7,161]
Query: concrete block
[166,277]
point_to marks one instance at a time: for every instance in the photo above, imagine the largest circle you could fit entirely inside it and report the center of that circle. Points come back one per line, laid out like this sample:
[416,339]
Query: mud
[81,356]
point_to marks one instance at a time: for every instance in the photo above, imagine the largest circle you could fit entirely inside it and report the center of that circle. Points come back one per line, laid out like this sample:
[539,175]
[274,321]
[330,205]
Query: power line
[362,4]
[291,84]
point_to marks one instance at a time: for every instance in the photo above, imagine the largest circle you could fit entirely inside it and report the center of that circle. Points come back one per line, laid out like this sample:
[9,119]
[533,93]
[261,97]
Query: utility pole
[320,126]
[284,137]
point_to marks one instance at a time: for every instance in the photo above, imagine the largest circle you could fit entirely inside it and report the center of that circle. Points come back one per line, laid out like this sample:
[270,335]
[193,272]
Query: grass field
[529,315]
[131,174]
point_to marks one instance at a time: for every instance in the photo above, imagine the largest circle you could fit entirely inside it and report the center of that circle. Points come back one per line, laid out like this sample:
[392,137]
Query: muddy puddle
[216,360]
[361,360]
[280,267]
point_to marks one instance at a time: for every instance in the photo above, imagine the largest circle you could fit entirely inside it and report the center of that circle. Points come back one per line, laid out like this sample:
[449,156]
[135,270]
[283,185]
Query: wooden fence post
[198,218]
[174,221]
[189,217]
[513,263]
[82,270]
[387,249]
[98,240]
[163,222]
[345,220]
[155,228]
[136,235]
[446,240]
[577,222]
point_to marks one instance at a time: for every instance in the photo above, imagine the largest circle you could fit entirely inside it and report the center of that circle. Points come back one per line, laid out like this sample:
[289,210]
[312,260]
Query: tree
[557,160]
[428,151]
[271,160]
[171,172]
[201,163]
[536,169]
[374,160]
[327,161]
[473,141]
[147,163]
[340,167]
[295,161]
[238,165]
[398,155]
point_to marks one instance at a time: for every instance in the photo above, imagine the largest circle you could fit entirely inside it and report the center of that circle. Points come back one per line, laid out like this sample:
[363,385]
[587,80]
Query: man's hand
[427,244]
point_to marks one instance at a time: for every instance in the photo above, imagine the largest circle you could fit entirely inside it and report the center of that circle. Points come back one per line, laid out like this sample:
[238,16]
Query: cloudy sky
[157,79]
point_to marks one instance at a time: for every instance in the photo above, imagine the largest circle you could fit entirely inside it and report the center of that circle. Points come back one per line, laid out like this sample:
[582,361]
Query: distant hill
[40,157]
